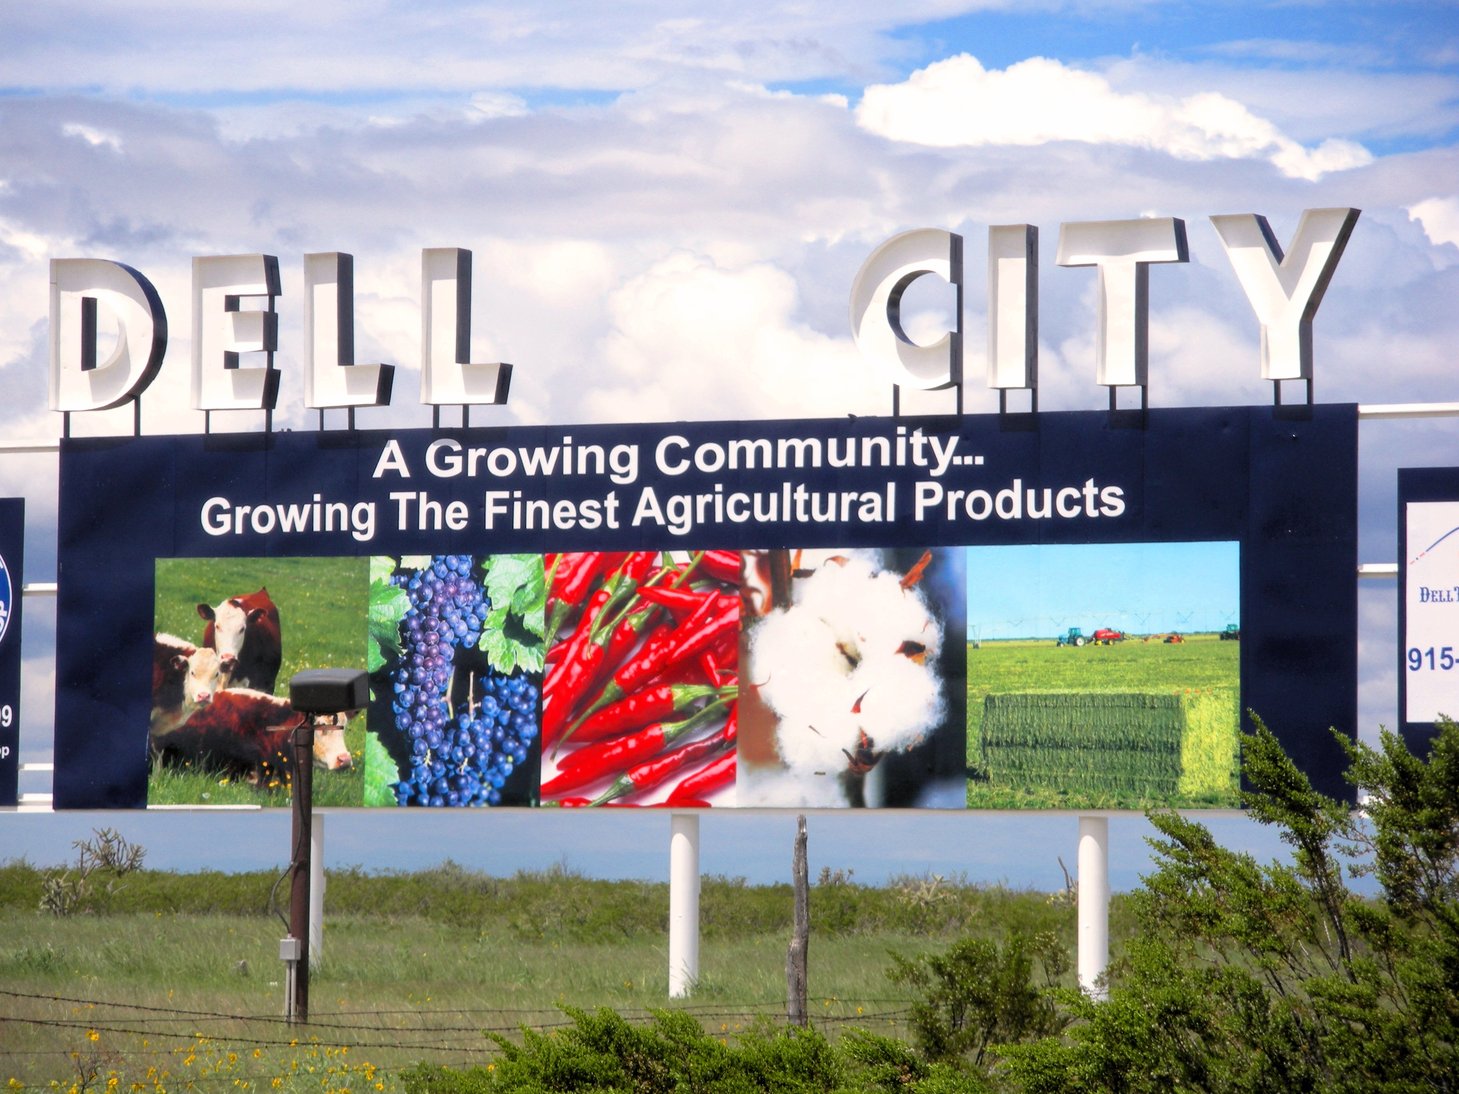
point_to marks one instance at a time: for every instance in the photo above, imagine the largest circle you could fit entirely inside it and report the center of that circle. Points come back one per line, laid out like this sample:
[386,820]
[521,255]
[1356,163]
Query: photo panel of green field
[456,653]
[230,633]
[852,667]
[1103,676]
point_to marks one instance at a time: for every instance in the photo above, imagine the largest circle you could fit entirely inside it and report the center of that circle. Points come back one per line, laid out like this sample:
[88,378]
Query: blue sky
[667,211]
[1042,590]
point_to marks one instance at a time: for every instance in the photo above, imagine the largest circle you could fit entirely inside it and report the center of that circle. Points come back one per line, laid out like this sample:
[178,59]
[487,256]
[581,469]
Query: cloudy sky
[667,211]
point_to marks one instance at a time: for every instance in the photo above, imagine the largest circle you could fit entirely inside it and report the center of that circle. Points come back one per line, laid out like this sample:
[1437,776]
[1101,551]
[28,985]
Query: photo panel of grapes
[229,635]
[1104,676]
[456,655]
[854,679]
[640,699]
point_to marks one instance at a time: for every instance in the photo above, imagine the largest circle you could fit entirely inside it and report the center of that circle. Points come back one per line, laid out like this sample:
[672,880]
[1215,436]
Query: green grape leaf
[381,774]
[388,605]
[513,636]
[510,646]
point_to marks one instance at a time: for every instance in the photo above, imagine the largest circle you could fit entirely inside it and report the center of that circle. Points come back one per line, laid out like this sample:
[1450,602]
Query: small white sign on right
[1431,611]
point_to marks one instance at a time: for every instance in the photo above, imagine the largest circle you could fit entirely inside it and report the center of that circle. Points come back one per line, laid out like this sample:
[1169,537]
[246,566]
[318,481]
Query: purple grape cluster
[468,726]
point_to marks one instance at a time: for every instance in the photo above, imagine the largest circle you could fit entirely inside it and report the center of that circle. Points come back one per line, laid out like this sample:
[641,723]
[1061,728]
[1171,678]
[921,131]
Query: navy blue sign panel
[12,560]
[1281,483]
[1428,601]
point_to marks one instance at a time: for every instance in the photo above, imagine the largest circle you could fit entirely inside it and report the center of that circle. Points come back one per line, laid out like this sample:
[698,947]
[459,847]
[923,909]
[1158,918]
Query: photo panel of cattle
[229,634]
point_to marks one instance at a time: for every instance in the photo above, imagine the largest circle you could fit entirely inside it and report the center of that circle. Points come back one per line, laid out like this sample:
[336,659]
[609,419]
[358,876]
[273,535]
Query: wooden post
[314,694]
[303,800]
[796,983]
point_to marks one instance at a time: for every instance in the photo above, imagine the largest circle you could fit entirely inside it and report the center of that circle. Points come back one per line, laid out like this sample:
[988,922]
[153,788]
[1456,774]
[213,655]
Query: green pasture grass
[322,604]
[179,973]
[1210,751]
[1201,664]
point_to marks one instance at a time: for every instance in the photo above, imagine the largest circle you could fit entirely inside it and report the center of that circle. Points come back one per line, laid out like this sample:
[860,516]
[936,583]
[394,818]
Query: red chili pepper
[707,664]
[685,641]
[625,583]
[574,568]
[639,709]
[718,773]
[723,565]
[624,632]
[681,672]
[571,583]
[578,669]
[650,773]
[681,602]
[596,761]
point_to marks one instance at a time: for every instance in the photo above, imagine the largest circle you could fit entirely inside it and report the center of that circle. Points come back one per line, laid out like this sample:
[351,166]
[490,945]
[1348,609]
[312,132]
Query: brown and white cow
[247,627]
[248,732]
[185,678]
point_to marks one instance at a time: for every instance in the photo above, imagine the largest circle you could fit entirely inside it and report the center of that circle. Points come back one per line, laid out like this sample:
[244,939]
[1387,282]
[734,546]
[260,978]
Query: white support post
[316,888]
[1093,903]
[683,903]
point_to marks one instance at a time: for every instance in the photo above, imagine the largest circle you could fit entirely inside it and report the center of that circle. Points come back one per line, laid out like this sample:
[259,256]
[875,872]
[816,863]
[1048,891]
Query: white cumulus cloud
[722,342]
[1439,218]
[957,102]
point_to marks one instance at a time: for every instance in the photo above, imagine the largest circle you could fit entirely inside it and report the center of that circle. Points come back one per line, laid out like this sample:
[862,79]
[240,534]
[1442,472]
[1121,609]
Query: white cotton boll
[794,660]
[851,666]
[793,789]
[901,702]
[837,592]
[820,744]
[894,616]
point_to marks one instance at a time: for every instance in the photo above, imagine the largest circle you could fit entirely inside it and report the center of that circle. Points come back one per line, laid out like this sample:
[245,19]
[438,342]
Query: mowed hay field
[1179,748]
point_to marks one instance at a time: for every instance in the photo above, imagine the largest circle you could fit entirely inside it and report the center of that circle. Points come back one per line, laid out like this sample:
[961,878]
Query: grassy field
[1202,663]
[322,607]
[174,982]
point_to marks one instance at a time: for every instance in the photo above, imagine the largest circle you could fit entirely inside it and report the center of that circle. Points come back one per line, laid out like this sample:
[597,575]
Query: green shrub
[982,993]
[101,863]
[604,1053]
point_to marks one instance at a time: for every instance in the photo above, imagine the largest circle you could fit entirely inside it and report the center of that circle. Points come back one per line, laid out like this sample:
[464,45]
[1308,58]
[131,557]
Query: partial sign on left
[12,540]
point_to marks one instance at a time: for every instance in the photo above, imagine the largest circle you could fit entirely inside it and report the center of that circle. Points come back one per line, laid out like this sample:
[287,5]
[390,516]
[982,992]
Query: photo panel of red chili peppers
[854,679]
[641,691]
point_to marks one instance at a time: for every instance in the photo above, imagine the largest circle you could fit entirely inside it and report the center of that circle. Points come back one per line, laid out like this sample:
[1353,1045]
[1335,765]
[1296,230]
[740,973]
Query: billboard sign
[12,554]
[870,611]
[1428,602]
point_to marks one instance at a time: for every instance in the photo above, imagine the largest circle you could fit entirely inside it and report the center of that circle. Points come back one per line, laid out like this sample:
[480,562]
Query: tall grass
[416,966]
